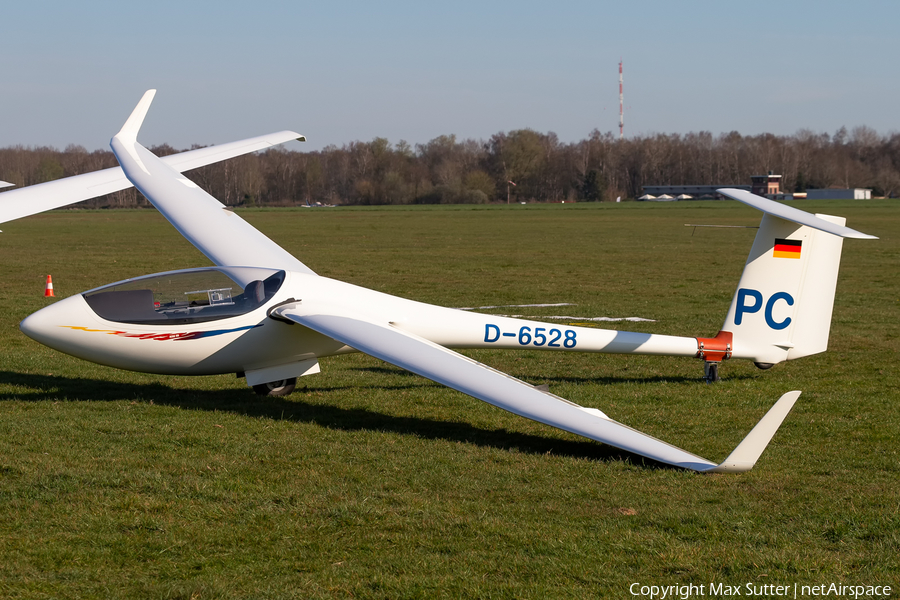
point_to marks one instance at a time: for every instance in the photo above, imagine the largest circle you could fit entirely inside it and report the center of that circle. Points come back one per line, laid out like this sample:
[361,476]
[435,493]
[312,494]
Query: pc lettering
[750,301]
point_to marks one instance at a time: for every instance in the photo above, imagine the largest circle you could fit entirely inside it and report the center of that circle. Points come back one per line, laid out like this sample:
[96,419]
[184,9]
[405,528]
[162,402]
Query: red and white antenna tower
[621,105]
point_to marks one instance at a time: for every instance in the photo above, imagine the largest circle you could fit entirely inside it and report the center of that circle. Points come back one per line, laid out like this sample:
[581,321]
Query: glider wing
[42,197]
[459,372]
[220,234]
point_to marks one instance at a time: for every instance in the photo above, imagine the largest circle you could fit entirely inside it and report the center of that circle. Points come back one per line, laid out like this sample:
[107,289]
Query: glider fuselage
[152,324]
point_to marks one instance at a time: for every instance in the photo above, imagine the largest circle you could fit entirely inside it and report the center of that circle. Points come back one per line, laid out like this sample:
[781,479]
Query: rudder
[783,305]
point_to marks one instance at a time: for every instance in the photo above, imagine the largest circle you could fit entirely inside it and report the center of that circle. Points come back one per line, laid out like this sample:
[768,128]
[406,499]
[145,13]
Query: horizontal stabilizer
[423,357]
[789,213]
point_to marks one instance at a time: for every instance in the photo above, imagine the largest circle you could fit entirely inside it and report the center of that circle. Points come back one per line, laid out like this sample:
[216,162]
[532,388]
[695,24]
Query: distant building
[765,185]
[701,192]
[768,186]
[836,194]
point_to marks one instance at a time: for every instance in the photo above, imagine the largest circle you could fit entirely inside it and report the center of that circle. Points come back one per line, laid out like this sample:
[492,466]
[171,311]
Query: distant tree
[165,149]
[404,150]
[48,170]
[449,170]
[480,181]
[593,187]
[840,137]
[313,180]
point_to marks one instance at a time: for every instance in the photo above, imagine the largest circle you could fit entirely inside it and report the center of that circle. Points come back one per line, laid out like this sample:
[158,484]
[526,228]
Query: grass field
[369,482]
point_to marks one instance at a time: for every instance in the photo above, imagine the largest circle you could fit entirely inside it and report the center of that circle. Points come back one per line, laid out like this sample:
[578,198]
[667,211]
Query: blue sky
[343,71]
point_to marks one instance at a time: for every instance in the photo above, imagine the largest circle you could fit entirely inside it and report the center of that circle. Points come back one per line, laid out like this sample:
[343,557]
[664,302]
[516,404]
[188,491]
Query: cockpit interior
[183,297]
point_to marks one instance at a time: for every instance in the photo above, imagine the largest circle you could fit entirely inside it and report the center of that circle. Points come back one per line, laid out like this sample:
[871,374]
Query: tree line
[521,165]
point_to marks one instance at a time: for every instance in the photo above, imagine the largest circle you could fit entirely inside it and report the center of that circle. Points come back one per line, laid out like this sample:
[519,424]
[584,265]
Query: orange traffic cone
[48,291]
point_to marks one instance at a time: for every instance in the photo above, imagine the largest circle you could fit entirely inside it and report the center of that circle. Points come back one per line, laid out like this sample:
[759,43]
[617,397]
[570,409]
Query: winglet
[748,451]
[130,129]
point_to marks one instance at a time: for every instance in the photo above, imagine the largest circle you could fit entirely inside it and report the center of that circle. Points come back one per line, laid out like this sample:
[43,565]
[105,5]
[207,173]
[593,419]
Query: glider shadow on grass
[566,379]
[41,388]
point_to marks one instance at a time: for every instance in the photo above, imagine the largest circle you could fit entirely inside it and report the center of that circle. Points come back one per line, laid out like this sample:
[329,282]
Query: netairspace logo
[722,590]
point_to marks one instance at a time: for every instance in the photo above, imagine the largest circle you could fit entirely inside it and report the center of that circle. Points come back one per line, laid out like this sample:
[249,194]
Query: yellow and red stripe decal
[164,337]
[787,248]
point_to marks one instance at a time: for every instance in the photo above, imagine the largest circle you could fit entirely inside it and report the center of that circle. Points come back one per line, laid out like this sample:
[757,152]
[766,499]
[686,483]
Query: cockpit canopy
[190,296]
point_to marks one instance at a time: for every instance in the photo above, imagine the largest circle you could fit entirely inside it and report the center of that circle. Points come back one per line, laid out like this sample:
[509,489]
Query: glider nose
[39,325]
[47,325]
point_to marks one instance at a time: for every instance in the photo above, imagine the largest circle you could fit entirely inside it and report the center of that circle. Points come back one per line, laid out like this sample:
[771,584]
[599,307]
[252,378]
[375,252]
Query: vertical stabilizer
[783,305]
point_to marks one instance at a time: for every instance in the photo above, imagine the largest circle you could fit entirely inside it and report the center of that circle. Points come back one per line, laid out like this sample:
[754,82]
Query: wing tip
[133,124]
[744,457]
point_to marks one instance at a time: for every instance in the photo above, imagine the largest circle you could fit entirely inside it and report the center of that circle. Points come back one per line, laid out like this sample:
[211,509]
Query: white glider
[263,314]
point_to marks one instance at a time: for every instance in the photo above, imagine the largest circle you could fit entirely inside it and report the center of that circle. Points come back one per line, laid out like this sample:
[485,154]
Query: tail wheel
[282,387]
[711,372]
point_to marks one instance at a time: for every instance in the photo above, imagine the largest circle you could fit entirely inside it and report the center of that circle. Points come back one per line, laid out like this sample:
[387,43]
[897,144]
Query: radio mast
[621,105]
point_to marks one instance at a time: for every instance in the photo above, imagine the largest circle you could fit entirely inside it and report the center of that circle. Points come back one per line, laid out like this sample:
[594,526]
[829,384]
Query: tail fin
[783,305]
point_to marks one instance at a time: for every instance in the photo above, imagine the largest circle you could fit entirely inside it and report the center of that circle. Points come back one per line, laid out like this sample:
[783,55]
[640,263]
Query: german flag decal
[787,248]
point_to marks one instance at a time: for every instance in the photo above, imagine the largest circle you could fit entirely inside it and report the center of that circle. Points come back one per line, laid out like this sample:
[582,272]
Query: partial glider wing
[454,370]
[220,234]
[42,197]
[789,213]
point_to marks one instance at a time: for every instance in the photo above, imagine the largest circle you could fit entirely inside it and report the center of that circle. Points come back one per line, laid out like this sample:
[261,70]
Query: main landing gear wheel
[282,387]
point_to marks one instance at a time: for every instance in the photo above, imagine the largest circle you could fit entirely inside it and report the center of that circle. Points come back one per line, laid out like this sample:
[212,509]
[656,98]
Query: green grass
[369,482]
